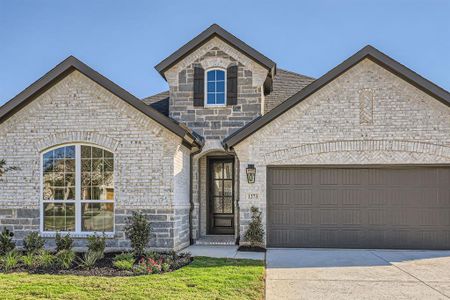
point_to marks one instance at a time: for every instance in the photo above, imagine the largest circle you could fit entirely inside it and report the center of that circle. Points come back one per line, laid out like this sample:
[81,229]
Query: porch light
[251,173]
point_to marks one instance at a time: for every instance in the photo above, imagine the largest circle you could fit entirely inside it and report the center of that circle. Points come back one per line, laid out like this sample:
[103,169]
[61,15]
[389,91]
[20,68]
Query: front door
[221,194]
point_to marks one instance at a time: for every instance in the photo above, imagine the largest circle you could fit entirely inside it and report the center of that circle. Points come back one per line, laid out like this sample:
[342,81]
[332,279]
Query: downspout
[191,198]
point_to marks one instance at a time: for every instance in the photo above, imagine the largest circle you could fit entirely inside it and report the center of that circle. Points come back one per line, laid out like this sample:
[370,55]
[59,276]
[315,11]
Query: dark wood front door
[221,195]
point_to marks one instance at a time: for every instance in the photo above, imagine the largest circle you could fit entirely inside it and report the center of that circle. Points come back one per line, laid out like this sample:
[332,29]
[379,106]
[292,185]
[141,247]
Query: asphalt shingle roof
[285,85]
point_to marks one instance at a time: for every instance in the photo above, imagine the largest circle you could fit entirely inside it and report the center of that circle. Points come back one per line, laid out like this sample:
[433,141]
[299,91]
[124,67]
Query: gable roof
[285,84]
[368,52]
[69,65]
[215,31]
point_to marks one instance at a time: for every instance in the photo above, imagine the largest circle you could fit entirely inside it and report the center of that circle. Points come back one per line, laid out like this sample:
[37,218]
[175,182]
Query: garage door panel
[400,208]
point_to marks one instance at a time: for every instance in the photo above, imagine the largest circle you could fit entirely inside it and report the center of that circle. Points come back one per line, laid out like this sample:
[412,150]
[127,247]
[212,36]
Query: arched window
[77,189]
[215,87]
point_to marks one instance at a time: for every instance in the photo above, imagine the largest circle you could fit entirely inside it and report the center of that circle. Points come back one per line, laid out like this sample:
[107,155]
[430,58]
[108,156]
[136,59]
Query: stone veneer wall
[218,122]
[365,116]
[146,158]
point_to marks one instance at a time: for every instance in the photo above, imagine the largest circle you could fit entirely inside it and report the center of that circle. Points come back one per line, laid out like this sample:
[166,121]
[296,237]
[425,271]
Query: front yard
[204,278]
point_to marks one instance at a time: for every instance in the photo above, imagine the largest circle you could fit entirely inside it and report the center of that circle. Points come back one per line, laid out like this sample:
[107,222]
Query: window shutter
[232,85]
[199,86]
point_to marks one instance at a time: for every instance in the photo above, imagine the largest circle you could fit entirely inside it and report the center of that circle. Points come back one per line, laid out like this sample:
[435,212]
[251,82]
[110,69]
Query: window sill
[108,235]
[214,105]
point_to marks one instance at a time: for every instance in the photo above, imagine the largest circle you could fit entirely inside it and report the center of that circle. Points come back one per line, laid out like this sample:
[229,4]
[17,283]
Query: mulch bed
[103,267]
[251,249]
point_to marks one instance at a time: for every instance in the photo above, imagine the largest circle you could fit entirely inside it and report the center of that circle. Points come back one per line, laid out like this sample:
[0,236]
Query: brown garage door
[398,208]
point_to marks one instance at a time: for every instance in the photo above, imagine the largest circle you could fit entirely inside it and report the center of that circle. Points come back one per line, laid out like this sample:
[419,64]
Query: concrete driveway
[357,274]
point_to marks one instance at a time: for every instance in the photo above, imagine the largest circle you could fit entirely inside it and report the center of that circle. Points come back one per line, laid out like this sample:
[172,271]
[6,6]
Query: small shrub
[30,260]
[255,232]
[138,231]
[6,242]
[33,243]
[165,267]
[124,261]
[124,256]
[89,259]
[97,244]
[10,261]
[65,258]
[46,259]
[63,242]
[126,265]
[153,255]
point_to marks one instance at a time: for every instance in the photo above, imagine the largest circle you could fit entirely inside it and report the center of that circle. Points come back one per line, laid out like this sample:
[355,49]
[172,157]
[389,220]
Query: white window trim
[78,202]
[206,88]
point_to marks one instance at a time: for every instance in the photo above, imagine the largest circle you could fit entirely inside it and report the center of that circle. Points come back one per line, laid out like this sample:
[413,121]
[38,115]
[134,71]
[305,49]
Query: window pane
[220,75]
[211,75]
[85,152]
[217,188]
[59,153]
[228,170]
[59,217]
[220,98]
[109,165]
[69,165]
[48,164]
[228,205]
[211,87]
[217,169]
[211,98]
[228,188]
[70,152]
[48,155]
[218,205]
[220,87]
[97,217]
[97,152]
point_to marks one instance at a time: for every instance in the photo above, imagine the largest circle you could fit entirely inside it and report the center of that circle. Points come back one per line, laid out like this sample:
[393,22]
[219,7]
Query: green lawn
[205,278]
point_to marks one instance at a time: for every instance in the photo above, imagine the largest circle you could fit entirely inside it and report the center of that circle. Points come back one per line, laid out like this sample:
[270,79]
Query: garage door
[397,208]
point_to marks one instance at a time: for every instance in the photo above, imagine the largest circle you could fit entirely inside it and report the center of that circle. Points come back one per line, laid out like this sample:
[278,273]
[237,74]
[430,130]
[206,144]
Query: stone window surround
[206,105]
[78,218]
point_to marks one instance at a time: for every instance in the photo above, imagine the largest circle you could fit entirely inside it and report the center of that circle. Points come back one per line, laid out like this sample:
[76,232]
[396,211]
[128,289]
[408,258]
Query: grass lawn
[205,278]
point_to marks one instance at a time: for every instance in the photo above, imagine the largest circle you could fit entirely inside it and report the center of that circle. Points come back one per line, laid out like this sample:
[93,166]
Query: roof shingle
[285,85]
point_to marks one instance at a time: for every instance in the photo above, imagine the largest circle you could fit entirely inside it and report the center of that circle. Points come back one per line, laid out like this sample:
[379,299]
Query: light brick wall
[337,126]
[79,110]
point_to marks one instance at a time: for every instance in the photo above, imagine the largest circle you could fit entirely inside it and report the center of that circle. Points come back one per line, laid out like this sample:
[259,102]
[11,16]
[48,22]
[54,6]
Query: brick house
[358,158]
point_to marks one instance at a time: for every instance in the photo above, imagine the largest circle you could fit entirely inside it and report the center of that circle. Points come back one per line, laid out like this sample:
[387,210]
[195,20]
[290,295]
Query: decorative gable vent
[366,106]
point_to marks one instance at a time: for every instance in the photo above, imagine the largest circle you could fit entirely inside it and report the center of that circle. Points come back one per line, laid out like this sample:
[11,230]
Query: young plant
[63,242]
[30,260]
[124,261]
[89,259]
[10,261]
[65,258]
[33,243]
[6,242]
[255,232]
[97,244]
[46,259]
[125,265]
[138,231]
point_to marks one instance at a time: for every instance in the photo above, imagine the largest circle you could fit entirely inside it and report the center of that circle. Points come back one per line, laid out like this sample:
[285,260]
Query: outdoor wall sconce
[251,173]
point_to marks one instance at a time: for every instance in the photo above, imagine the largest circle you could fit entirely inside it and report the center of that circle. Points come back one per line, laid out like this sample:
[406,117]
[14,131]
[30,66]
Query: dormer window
[215,90]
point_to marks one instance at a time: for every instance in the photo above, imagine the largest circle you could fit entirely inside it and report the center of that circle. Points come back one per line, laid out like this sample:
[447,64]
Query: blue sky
[124,40]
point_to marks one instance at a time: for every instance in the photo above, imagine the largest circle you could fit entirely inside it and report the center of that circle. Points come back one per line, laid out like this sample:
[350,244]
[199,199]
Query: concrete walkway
[357,274]
[223,252]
